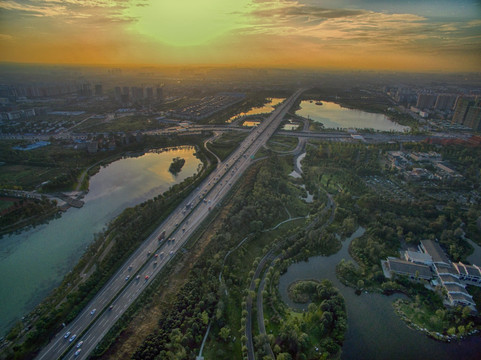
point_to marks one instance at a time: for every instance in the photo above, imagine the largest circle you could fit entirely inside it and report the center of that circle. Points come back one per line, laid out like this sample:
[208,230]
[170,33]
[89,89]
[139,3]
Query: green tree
[224,333]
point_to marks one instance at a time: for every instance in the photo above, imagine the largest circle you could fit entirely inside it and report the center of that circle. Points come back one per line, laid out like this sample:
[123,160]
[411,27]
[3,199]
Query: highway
[91,325]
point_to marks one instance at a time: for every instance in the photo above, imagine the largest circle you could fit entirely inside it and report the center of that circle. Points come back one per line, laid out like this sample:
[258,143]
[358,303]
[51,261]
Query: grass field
[5,204]
[282,143]
[224,145]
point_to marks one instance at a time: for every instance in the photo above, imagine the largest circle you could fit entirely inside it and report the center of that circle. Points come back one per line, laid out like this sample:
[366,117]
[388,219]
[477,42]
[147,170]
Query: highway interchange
[146,262]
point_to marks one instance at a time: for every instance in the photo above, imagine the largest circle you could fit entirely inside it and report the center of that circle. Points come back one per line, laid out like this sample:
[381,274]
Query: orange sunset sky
[422,35]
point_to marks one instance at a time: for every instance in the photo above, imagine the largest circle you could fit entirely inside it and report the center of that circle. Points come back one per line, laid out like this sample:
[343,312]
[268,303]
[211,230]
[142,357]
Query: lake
[374,330]
[334,116]
[35,261]
[265,109]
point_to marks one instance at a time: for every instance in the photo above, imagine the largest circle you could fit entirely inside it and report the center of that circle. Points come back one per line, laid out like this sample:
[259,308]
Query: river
[374,330]
[34,262]
[334,116]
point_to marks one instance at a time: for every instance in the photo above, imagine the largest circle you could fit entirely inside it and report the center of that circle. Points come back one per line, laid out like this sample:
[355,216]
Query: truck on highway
[161,236]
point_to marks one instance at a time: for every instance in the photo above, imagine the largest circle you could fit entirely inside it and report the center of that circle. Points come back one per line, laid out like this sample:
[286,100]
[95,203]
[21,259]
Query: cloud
[67,9]
[6,37]
[377,31]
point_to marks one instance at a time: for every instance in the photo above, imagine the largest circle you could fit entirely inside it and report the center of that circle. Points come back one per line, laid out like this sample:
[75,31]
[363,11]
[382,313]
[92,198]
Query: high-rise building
[149,93]
[137,93]
[426,101]
[473,117]
[98,90]
[159,91]
[462,106]
[445,102]
[125,94]
[83,90]
[118,93]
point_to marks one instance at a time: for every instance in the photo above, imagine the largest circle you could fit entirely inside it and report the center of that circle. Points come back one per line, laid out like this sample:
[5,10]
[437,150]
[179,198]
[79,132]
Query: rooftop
[434,249]
[445,269]
[408,267]
[448,278]
[468,269]
[418,257]
[461,297]
[455,288]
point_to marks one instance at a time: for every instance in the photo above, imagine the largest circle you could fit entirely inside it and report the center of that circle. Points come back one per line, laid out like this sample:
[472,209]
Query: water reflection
[374,330]
[333,116]
[35,261]
[267,108]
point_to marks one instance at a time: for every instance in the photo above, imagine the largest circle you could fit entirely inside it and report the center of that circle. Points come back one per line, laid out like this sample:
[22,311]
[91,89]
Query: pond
[374,330]
[334,116]
[35,261]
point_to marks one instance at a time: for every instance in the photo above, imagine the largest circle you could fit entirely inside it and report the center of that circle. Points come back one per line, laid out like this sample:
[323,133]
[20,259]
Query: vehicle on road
[130,267]
[161,236]
[146,277]
[77,353]
[93,311]
[137,277]
[111,307]
[127,277]
[67,334]
[80,344]
[156,255]
[73,337]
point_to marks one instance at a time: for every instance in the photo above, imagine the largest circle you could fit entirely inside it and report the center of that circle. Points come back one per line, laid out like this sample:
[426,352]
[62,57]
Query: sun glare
[188,22]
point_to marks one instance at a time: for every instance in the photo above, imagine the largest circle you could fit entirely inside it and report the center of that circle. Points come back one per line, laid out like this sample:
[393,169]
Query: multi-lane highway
[133,277]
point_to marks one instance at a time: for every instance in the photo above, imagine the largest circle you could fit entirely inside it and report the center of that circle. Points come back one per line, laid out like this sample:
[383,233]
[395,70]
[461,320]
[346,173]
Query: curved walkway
[260,307]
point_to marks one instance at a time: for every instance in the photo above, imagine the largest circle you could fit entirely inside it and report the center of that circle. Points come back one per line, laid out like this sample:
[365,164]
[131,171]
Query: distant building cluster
[461,108]
[133,94]
[104,142]
[430,263]
[208,106]
[17,114]
[405,162]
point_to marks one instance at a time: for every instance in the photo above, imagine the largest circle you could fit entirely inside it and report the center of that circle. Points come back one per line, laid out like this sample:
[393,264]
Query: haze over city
[338,34]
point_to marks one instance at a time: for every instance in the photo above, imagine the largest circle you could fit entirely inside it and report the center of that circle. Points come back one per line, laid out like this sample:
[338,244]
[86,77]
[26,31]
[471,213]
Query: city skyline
[369,34]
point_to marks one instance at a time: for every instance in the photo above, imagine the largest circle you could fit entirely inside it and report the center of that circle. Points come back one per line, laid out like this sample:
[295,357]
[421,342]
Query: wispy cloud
[68,9]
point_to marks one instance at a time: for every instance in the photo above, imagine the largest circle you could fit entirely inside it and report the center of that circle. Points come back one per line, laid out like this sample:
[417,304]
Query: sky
[397,35]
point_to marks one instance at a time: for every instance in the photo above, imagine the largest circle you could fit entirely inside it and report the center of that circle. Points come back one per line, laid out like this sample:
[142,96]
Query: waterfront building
[432,264]
[469,273]
[435,250]
[408,268]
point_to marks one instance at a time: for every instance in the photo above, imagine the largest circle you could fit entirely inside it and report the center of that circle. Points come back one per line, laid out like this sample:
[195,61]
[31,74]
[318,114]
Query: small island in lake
[176,165]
